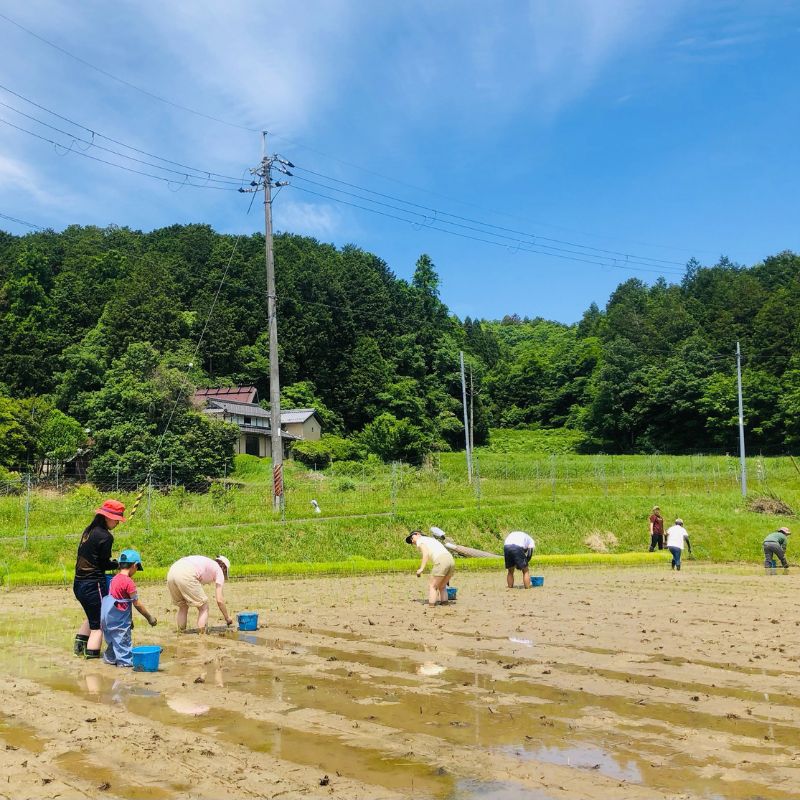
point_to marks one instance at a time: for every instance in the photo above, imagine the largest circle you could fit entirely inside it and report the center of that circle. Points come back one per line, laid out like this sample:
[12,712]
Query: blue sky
[636,134]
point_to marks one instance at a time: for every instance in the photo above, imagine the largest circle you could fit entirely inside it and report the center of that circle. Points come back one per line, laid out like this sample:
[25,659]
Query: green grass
[356,566]
[560,499]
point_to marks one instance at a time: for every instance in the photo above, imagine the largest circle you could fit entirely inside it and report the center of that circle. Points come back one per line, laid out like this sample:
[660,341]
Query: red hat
[112,509]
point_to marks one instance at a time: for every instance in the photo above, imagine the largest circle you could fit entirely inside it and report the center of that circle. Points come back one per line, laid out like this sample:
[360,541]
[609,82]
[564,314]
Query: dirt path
[634,684]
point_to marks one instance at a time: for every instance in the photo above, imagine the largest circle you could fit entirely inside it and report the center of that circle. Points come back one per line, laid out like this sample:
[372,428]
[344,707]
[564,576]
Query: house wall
[307,430]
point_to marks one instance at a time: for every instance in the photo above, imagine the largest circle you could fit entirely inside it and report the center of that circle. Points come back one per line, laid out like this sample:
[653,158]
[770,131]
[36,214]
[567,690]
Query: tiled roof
[296,415]
[236,394]
[233,407]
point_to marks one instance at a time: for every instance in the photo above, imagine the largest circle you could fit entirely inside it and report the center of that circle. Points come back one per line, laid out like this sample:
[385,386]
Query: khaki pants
[184,587]
[443,566]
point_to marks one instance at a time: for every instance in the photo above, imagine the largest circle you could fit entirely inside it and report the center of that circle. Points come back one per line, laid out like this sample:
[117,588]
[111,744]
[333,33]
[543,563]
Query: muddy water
[453,715]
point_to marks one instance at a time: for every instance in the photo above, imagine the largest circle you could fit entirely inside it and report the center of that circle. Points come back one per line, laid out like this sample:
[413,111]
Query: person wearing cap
[656,529]
[90,585]
[185,581]
[517,552]
[775,547]
[443,565]
[677,535]
[116,618]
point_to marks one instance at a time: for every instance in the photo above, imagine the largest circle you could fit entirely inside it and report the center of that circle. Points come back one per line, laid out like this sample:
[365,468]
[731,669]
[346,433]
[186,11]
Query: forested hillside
[98,327]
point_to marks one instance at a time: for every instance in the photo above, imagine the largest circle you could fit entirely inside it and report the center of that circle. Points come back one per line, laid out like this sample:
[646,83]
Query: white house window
[248,420]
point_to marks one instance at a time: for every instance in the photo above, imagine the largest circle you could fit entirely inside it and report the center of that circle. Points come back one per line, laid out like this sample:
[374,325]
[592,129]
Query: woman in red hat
[90,587]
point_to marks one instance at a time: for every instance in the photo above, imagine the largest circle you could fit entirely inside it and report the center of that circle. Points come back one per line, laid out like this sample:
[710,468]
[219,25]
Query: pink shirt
[122,588]
[206,570]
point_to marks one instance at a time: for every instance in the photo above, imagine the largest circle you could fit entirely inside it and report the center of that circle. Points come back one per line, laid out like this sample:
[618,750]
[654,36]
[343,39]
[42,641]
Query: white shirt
[675,536]
[520,539]
[434,547]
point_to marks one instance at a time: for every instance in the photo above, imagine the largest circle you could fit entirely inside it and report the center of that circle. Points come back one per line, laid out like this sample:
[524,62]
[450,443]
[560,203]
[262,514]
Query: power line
[295,142]
[517,247]
[187,182]
[21,222]
[629,259]
[204,175]
[95,133]
[439,212]
[125,82]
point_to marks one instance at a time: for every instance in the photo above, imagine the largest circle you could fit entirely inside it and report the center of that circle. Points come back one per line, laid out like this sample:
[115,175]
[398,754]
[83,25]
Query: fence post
[117,476]
[149,496]
[27,511]
[394,487]
[476,474]
[553,475]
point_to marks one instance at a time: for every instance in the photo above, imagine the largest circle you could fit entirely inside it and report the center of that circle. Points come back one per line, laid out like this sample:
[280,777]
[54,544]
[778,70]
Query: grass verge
[355,566]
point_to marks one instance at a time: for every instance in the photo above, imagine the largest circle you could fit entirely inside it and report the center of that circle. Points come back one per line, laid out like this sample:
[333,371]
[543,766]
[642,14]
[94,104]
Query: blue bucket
[451,592]
[537,580]
[145,658]
[248,621]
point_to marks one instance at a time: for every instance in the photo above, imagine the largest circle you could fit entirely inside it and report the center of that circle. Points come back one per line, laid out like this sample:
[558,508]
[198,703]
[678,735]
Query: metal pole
[27,511]
[466,420]
[471,415]
[741,419]
[274,376]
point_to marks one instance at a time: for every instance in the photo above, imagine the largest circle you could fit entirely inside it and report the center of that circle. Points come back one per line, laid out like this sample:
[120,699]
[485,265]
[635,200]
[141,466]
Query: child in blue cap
[116,618]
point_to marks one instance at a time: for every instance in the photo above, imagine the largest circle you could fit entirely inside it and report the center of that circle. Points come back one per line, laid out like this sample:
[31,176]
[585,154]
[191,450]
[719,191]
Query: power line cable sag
[628,258]
[112,164]
[21,222]
[221,178]
[130,85]
[440,213]
[203,175]
[629,266]
[294,141]
[95,133]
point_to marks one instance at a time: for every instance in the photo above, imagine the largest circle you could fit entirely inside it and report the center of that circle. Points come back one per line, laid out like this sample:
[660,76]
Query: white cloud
[307,218]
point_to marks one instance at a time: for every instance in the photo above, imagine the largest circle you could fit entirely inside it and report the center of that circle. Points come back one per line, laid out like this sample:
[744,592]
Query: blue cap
[129,557]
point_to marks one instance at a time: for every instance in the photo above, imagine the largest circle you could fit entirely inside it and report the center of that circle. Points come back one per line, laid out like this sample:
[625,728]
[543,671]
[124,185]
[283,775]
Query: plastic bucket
[248,621]
[145,658]
[537,580]
[451,592]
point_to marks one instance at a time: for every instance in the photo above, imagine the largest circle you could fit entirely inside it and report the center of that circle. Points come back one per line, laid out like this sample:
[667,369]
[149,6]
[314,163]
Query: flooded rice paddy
[618,684]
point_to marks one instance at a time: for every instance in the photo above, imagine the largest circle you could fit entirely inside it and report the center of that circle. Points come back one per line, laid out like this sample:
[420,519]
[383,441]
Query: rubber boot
[92,653]
[79,647]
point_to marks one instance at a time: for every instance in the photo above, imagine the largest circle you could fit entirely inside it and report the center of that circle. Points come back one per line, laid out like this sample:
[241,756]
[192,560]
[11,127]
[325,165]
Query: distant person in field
[677,537]
[517,551]
[656,529]
[116,616]
[775,547]
[185,581]
[443,565]
[90,585]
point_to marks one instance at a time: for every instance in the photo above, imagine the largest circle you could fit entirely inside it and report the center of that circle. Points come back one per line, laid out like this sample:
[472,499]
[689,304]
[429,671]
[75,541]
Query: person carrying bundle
[517,551]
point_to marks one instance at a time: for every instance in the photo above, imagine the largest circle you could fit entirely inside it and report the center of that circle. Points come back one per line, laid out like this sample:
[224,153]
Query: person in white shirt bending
[676,536]
[517,552]
[443,565]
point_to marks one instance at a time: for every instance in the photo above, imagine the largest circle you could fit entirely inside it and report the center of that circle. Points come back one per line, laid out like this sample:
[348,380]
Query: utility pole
[741,419]
[472,419]
[264,180]
[466,420]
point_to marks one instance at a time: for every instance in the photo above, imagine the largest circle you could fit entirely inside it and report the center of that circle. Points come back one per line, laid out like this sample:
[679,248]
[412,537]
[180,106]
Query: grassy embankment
[560,499]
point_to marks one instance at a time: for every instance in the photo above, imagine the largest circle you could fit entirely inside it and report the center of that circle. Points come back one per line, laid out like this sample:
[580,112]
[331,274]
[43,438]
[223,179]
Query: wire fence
[43,507]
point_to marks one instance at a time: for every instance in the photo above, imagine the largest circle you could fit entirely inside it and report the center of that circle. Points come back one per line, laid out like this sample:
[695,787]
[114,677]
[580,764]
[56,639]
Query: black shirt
[94,554]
